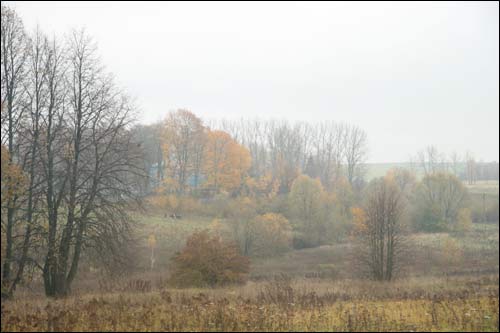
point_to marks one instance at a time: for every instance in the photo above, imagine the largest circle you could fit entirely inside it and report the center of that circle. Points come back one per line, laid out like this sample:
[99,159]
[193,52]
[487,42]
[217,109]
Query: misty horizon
[411,75]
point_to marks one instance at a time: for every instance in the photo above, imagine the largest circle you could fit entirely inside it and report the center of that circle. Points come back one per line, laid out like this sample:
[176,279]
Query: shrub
[272,234]
[438,199]
[206,260]
[429,219]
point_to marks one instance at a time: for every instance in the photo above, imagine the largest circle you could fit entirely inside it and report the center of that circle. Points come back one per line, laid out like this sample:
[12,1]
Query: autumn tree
[226,162]
[379,231]
[358,221]
[183,138]
[438,199]
[306,201]
[265,186]
[327,150]
[207,260]
[403,178]
[13,185]
[13,179]
[264,235]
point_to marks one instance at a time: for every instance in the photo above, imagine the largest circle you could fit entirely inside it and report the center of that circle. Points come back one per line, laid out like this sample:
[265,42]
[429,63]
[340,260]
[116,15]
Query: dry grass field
[449,288]
[281,304]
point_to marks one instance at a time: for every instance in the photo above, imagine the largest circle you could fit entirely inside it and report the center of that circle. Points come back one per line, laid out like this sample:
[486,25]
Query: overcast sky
[410,74]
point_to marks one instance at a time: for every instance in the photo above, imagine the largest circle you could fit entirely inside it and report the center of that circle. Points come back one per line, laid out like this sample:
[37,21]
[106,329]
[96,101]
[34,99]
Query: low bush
[208,261]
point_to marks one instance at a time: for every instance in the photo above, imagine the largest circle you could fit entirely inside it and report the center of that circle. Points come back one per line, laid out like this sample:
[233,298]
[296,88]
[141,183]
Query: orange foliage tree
[207,260]
[265,186]
[226,162]
[358,220]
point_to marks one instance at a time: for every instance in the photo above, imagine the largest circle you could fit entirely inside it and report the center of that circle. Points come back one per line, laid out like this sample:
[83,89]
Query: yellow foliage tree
[13,180]
[358,220]
[273,234]
[183,137]
[306,197]
[307,200]
[225,163]
[266,186]
[403,178]
[13,184]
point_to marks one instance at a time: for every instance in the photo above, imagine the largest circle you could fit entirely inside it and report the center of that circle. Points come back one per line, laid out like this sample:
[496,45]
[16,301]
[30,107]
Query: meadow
[452,286]
[281,304]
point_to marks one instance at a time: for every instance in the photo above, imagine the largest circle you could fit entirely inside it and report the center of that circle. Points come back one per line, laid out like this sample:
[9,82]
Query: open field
[474,251]
[375,170]
[444,304]
[489,187]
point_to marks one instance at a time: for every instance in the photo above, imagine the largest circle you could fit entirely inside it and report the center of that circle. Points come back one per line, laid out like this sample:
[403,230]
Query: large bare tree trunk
[13,48]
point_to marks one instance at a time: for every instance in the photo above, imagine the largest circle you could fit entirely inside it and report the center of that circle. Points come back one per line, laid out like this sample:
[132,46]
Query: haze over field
[429,70]
[292,166]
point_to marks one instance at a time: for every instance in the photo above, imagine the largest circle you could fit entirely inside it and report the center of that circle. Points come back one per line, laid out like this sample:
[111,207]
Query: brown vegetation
[207,261]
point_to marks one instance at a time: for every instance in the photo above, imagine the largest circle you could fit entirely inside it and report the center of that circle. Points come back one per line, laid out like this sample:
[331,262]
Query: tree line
[183,147]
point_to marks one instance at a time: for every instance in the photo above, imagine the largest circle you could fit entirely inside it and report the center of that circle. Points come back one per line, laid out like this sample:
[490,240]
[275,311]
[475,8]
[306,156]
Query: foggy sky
[410,74]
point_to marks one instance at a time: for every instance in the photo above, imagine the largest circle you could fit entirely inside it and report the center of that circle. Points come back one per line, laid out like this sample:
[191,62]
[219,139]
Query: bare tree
[471,169]
[381,233]
[13,60]
[53,147]
[329,149]
[432,161]
[287,149]
[98,159]
[68,128]
[29,138]
[355,152]
[455,163]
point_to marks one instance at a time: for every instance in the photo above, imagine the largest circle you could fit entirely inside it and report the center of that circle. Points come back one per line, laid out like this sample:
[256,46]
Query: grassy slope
[475,251]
